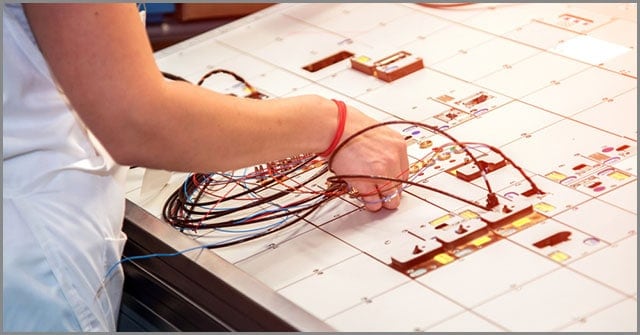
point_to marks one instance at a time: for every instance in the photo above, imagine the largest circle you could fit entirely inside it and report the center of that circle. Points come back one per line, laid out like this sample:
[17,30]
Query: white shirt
[63,201]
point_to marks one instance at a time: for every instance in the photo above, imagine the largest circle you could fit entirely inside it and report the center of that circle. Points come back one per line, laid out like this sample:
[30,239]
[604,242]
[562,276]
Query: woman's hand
[377,152]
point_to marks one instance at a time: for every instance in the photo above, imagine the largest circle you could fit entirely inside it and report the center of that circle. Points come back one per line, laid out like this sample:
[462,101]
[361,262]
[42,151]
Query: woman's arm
[101,57]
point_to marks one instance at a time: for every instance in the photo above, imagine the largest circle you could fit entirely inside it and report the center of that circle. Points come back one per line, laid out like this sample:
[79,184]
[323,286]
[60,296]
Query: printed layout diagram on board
[530,113]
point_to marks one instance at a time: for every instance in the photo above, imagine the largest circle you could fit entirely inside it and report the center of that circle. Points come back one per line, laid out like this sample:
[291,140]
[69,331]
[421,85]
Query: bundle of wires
[279,194]
[253,203]
[275,195]
[491,201]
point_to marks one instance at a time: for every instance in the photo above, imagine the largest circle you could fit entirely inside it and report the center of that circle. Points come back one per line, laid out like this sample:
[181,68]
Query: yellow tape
[441,220]
[481,240]
[555,176]
[363,59]
[559,256]
[443,258]
[521,222]
[544,207]
[468,214]
[618,175]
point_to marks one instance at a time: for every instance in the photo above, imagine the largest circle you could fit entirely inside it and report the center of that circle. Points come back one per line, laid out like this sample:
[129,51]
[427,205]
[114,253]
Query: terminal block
[488,163]
[461,233]
[553,240]
[507,213]
[475,100]
[389,68]
[450,118]
[602,180]
[412,255]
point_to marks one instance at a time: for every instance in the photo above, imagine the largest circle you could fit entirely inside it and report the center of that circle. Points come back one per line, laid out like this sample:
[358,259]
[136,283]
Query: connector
[460,233]
[488,163]
[409,256]
[505,213]
[388,68]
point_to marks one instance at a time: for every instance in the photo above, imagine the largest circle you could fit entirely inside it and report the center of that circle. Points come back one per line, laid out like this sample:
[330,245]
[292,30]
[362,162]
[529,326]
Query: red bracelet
[342,118]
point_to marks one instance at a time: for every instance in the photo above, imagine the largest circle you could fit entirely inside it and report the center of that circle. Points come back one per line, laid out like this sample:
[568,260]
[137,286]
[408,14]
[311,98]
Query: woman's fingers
[390,196]
[368,194]
[376,194]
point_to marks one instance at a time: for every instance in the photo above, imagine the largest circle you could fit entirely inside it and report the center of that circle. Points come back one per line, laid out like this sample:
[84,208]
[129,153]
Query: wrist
[339,131]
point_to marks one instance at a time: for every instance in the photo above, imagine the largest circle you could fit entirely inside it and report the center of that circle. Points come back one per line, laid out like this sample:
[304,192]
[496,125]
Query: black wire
[174,77]
[267,232]
[216,71]
[254,92]
[492,200]
[177,201]
[256,189]
[178,210]
[182,212]
[534,188]
[361,176]
[414,123]
[263,185]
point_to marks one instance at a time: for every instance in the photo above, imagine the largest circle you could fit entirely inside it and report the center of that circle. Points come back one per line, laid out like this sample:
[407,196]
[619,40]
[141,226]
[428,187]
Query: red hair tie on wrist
[342,118]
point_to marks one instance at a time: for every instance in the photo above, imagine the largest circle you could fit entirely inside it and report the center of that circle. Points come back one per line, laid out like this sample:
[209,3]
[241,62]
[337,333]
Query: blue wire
[204,246]
[177,253]
[254,229]
[266,211]
[189,198]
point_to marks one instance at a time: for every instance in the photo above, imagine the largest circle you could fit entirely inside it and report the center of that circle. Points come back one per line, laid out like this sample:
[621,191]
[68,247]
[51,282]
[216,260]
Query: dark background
[170,23]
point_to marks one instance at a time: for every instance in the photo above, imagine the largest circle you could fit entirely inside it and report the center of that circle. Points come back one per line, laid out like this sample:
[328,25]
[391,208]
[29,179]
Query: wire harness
[256,201]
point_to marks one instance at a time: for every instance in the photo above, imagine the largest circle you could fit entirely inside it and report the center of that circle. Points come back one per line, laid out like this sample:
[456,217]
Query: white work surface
[563,83]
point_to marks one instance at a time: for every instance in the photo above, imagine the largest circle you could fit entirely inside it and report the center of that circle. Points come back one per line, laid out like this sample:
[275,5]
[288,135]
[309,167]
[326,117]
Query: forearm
[100,55]
[188,128]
